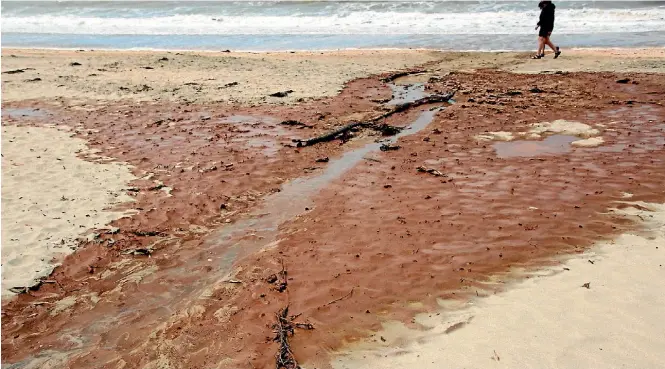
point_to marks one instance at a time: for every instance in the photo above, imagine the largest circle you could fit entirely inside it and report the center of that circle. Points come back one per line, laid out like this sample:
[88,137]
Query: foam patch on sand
[588,142]
[539,131]
[50,197]
[606,313]
[564,127]
[496,136]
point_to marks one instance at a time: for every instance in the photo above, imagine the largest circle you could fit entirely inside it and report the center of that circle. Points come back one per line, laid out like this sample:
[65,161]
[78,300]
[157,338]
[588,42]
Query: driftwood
[328,136]
[385,129]
[281,93]
[386,147]
[295,123]
[284,328]
[15,71]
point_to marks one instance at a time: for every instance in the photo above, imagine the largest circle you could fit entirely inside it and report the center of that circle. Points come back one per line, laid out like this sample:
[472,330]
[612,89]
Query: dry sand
[648,60]
[50,197]
[189,76]
[549,320]
[249,78]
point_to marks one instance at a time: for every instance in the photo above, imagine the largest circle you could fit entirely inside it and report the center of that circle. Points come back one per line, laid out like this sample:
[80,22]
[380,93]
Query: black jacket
[547,15]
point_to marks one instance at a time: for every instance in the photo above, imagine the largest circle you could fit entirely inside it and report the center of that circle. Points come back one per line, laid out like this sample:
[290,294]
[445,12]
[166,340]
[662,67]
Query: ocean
[326,25]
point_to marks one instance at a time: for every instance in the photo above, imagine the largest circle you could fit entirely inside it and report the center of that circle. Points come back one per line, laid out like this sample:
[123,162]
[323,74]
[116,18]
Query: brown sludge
[371,243]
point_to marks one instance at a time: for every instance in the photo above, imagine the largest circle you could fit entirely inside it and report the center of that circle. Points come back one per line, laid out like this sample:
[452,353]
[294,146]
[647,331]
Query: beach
[171,209]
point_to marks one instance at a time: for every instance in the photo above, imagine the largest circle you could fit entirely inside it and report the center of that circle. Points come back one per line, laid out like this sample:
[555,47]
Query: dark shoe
[557,53]
[538,56]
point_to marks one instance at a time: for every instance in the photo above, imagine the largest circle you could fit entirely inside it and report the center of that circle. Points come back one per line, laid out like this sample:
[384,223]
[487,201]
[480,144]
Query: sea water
[325,25]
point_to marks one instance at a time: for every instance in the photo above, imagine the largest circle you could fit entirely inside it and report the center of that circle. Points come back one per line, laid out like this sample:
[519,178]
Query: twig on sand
[372,159]
[328,136]
[281,277]
[284,282]
[341,298]
[284,328]
[15,71]
[431,171]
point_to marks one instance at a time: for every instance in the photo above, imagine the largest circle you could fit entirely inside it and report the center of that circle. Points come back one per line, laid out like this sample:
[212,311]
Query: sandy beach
[151,200]
[50,198]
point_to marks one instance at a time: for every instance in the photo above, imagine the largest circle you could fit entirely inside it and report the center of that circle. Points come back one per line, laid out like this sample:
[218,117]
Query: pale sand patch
[50,196]
[588,142]
[549,320]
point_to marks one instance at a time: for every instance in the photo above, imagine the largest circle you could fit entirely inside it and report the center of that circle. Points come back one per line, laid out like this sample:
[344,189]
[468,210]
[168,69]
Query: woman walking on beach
[546,24]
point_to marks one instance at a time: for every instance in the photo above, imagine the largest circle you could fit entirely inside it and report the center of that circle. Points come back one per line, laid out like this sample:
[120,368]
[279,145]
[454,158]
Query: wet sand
[226,200]
[599,309]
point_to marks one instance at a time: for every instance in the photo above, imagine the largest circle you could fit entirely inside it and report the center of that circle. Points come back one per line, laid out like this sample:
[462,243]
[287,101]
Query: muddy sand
[482,220]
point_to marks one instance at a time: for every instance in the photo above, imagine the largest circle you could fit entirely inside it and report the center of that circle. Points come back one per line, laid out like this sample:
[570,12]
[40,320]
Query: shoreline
[313,51]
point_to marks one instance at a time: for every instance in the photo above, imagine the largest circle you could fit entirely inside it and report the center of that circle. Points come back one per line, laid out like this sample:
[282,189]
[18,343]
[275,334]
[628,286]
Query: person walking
[546,25]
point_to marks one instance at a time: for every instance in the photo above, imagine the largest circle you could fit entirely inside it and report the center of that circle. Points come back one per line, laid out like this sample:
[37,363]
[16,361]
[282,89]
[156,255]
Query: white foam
[588,142]
[495,136]
[564,127]
[569,21]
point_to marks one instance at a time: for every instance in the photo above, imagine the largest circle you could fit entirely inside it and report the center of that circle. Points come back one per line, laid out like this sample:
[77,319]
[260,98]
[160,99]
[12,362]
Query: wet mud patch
[386,233]
[200,167]
[379,236]
[262,133]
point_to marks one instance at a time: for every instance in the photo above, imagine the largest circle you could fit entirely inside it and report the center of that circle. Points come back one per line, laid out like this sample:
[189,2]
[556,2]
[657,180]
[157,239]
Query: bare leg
[541,45]
[549,43]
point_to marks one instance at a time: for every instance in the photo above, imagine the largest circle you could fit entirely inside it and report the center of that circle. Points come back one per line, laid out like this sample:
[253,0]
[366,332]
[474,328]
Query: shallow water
[176,285]
[296,197]
[23,113]
[556,144]
[407,93]
[286,42]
